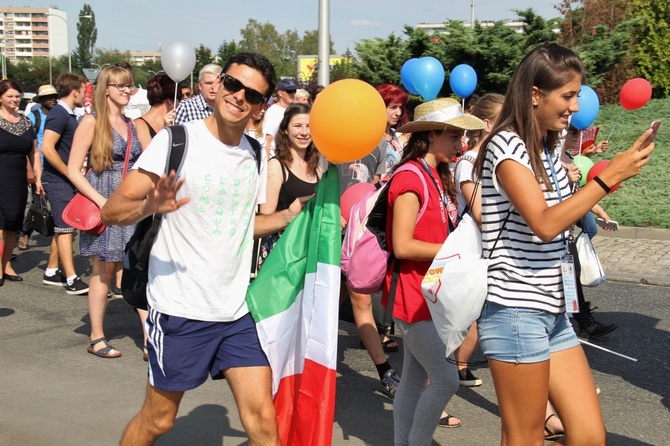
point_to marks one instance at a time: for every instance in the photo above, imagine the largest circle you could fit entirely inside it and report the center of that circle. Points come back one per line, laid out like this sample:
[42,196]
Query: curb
[652,281]
[630,232]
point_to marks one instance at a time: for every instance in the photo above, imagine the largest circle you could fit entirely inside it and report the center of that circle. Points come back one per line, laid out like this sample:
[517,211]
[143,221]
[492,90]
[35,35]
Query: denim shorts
[523,335]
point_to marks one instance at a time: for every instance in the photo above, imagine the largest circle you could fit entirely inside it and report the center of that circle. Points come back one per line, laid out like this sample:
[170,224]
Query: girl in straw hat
[524,331]
[436,138]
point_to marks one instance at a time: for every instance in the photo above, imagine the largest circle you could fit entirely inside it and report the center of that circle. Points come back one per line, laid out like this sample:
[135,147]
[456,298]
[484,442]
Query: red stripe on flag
[305,405]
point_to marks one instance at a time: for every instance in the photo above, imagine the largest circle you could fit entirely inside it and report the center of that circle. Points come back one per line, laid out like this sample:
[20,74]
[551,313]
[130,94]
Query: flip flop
[388,348]
[23,242]
[549,435]
[444,422]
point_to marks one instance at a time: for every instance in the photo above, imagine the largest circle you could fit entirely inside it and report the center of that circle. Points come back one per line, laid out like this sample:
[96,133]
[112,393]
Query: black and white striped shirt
[524,271]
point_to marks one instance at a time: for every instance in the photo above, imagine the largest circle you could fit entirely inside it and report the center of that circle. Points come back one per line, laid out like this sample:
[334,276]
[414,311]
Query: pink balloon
[353,195]
[597,169]
[635,93]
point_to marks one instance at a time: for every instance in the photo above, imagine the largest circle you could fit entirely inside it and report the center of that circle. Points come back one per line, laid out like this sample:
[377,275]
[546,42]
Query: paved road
[54,393]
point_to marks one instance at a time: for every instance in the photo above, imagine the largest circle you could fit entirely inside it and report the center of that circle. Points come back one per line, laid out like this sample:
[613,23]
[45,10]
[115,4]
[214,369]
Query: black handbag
[40,218]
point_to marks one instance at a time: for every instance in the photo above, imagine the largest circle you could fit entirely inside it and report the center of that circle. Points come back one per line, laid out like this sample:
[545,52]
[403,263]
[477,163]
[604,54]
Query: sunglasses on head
[233,85]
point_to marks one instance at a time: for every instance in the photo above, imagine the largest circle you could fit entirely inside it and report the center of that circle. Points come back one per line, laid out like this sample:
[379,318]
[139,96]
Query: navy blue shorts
[59,194]
[182,352]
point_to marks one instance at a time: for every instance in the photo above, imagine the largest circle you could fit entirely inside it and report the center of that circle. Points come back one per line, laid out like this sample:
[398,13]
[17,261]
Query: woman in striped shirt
[527,210]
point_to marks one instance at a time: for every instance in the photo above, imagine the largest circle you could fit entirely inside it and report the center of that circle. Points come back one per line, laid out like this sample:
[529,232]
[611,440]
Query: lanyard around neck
[444,199]
[556,185]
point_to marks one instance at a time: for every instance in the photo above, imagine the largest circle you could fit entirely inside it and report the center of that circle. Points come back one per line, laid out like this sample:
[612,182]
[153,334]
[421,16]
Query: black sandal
[549,435]
[104,352]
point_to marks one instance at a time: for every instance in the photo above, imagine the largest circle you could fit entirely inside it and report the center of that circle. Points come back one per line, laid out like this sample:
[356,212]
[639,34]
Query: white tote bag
[592,273]
[456,283]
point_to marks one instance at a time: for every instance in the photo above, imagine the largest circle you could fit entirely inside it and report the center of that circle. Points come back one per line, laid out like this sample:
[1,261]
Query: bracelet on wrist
[602,184]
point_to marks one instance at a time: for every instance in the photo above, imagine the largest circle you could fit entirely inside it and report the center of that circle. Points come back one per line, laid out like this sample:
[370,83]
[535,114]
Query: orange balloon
[348,120]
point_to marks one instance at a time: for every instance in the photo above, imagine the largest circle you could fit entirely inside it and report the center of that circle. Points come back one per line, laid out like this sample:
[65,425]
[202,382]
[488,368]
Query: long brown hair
[282,144]
[416,148]
[546,67]
[487,107]
[103,139]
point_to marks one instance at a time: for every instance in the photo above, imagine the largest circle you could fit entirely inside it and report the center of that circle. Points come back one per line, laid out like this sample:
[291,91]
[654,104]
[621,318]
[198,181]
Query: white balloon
[178,60]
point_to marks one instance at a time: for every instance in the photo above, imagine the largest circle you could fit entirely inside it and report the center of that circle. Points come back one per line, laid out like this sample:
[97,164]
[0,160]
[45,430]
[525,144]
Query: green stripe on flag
[314,236]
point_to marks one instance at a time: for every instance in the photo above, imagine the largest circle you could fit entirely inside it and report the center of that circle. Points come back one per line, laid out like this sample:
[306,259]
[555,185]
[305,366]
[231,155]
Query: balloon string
[615,123]
[463,105]
[581,137]
[174,103]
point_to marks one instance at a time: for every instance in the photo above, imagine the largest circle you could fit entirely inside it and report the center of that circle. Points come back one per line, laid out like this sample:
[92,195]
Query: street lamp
[67,24]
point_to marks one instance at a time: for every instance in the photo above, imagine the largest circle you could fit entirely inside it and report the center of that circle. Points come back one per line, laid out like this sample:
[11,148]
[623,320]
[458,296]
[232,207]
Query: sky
[145,25]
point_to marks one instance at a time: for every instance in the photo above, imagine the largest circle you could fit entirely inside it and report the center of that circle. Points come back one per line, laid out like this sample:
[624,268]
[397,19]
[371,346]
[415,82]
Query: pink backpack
[365,257]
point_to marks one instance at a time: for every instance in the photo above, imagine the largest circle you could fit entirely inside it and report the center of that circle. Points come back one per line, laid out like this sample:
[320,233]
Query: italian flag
[295,301]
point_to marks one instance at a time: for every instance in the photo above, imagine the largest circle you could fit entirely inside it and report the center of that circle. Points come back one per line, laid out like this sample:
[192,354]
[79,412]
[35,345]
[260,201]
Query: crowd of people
[503,161]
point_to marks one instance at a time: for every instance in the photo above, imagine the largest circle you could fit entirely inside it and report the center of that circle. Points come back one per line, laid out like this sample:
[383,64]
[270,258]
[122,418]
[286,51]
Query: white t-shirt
[271,121]
[199,265]
[138,105]
[464,168]
[524,271]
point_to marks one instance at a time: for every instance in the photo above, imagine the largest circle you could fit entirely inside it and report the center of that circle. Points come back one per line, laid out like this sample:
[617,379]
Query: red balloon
[635,93]
[353,195]
[597,169]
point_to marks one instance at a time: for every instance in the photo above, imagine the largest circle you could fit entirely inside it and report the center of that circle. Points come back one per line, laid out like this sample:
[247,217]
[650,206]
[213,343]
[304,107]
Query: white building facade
[27,32]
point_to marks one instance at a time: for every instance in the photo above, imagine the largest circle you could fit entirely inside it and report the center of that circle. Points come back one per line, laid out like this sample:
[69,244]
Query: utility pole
[472,15]
[324,43]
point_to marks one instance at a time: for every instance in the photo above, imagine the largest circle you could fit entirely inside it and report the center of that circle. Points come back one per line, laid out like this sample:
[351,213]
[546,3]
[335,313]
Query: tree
[536,29]
[380,60]
[280,49]
[601,32]
[225,51]
[203,56]
[652,56]
[310,44]
[87,34]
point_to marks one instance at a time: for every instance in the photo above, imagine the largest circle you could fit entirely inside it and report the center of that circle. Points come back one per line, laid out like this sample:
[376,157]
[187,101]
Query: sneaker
[78,287]
[390,383]
[57,279]
[116,292]
[467,379]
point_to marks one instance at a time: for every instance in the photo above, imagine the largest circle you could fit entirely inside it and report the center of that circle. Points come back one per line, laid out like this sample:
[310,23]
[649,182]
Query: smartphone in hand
[612,225]
[654,127]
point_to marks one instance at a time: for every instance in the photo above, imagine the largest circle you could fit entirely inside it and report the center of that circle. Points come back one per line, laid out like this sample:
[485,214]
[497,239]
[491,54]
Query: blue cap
[287,84]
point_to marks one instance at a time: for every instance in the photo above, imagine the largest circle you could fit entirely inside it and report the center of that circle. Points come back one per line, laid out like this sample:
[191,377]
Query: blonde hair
[301,95]
[100,157]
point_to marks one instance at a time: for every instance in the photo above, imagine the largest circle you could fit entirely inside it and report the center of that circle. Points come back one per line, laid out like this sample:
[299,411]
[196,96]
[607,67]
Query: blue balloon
[406,75]
[463,80]
[428,77]
[589,104]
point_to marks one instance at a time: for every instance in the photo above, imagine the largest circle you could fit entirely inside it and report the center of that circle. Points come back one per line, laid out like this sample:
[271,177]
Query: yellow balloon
[348,120]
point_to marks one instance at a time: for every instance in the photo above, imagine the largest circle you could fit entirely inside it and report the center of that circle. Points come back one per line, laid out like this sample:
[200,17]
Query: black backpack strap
[257,242]
[38,120]
[257,151]
[176,153]
[177,147]
[388,315]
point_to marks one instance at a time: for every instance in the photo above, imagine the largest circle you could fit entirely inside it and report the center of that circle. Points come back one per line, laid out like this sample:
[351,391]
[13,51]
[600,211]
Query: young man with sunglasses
[198,321]
[201,105]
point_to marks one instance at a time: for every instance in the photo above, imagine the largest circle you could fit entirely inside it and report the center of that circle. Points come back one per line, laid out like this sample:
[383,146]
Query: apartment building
[27,32]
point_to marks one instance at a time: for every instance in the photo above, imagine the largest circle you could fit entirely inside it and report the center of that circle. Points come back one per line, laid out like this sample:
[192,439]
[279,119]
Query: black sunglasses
[233,85]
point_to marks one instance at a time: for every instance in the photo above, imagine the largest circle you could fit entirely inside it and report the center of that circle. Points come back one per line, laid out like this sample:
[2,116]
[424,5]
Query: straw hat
[45,90]
[441,114]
